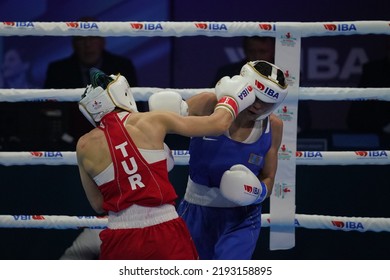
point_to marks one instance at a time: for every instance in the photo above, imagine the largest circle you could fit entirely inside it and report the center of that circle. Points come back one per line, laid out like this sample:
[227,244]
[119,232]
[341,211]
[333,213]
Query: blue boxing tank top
[210,157]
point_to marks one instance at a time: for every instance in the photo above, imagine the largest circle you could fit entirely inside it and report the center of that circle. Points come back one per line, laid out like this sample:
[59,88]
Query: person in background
[254,48]
[86,246]
[232,174]
[123,167]
[64,120]
[373,116]
[15,72]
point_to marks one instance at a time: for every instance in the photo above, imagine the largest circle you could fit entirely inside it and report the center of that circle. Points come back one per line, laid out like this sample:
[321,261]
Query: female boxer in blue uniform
[231,175]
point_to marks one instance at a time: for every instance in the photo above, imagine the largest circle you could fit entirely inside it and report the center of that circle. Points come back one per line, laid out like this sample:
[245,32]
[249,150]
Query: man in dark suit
[88,52]
[64,121]
[373,116]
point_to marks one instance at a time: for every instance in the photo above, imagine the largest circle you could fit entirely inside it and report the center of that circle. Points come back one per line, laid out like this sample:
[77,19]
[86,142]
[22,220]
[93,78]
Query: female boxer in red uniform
[123,167]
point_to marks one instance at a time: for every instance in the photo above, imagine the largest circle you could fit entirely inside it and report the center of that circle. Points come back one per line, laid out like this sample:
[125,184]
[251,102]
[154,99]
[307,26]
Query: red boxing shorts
[170,240]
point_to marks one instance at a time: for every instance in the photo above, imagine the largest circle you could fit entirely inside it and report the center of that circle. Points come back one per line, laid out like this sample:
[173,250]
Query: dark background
[191,62]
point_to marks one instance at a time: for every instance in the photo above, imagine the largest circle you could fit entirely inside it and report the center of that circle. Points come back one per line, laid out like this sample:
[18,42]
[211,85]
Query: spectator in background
[255,48]
[262,48]
[373,116]
[16,70]
[65,121]
[15,73]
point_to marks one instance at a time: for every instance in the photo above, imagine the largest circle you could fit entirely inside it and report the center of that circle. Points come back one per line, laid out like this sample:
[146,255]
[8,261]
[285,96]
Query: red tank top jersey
[136,181]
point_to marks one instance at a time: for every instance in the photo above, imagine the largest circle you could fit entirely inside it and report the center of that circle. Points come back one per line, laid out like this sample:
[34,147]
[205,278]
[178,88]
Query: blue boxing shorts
[222,233]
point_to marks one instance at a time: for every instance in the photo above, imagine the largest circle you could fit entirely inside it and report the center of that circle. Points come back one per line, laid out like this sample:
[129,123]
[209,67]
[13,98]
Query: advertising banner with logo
[282,206]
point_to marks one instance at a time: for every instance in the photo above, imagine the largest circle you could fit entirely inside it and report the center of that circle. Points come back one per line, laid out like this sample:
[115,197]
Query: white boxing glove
[241,186]
[168,100]
[234,94]
[169,156]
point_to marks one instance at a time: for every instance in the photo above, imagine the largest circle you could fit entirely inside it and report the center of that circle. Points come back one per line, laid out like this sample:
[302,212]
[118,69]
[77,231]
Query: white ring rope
[179,29]
[52,221]
[181,157]
[143,94]
[301,221]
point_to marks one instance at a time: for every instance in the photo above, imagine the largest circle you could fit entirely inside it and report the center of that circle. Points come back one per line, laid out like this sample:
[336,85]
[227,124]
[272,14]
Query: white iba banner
[282,204]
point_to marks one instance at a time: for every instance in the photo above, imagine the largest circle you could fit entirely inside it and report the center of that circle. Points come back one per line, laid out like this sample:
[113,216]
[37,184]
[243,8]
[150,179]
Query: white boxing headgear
[268,81]
[97,102]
